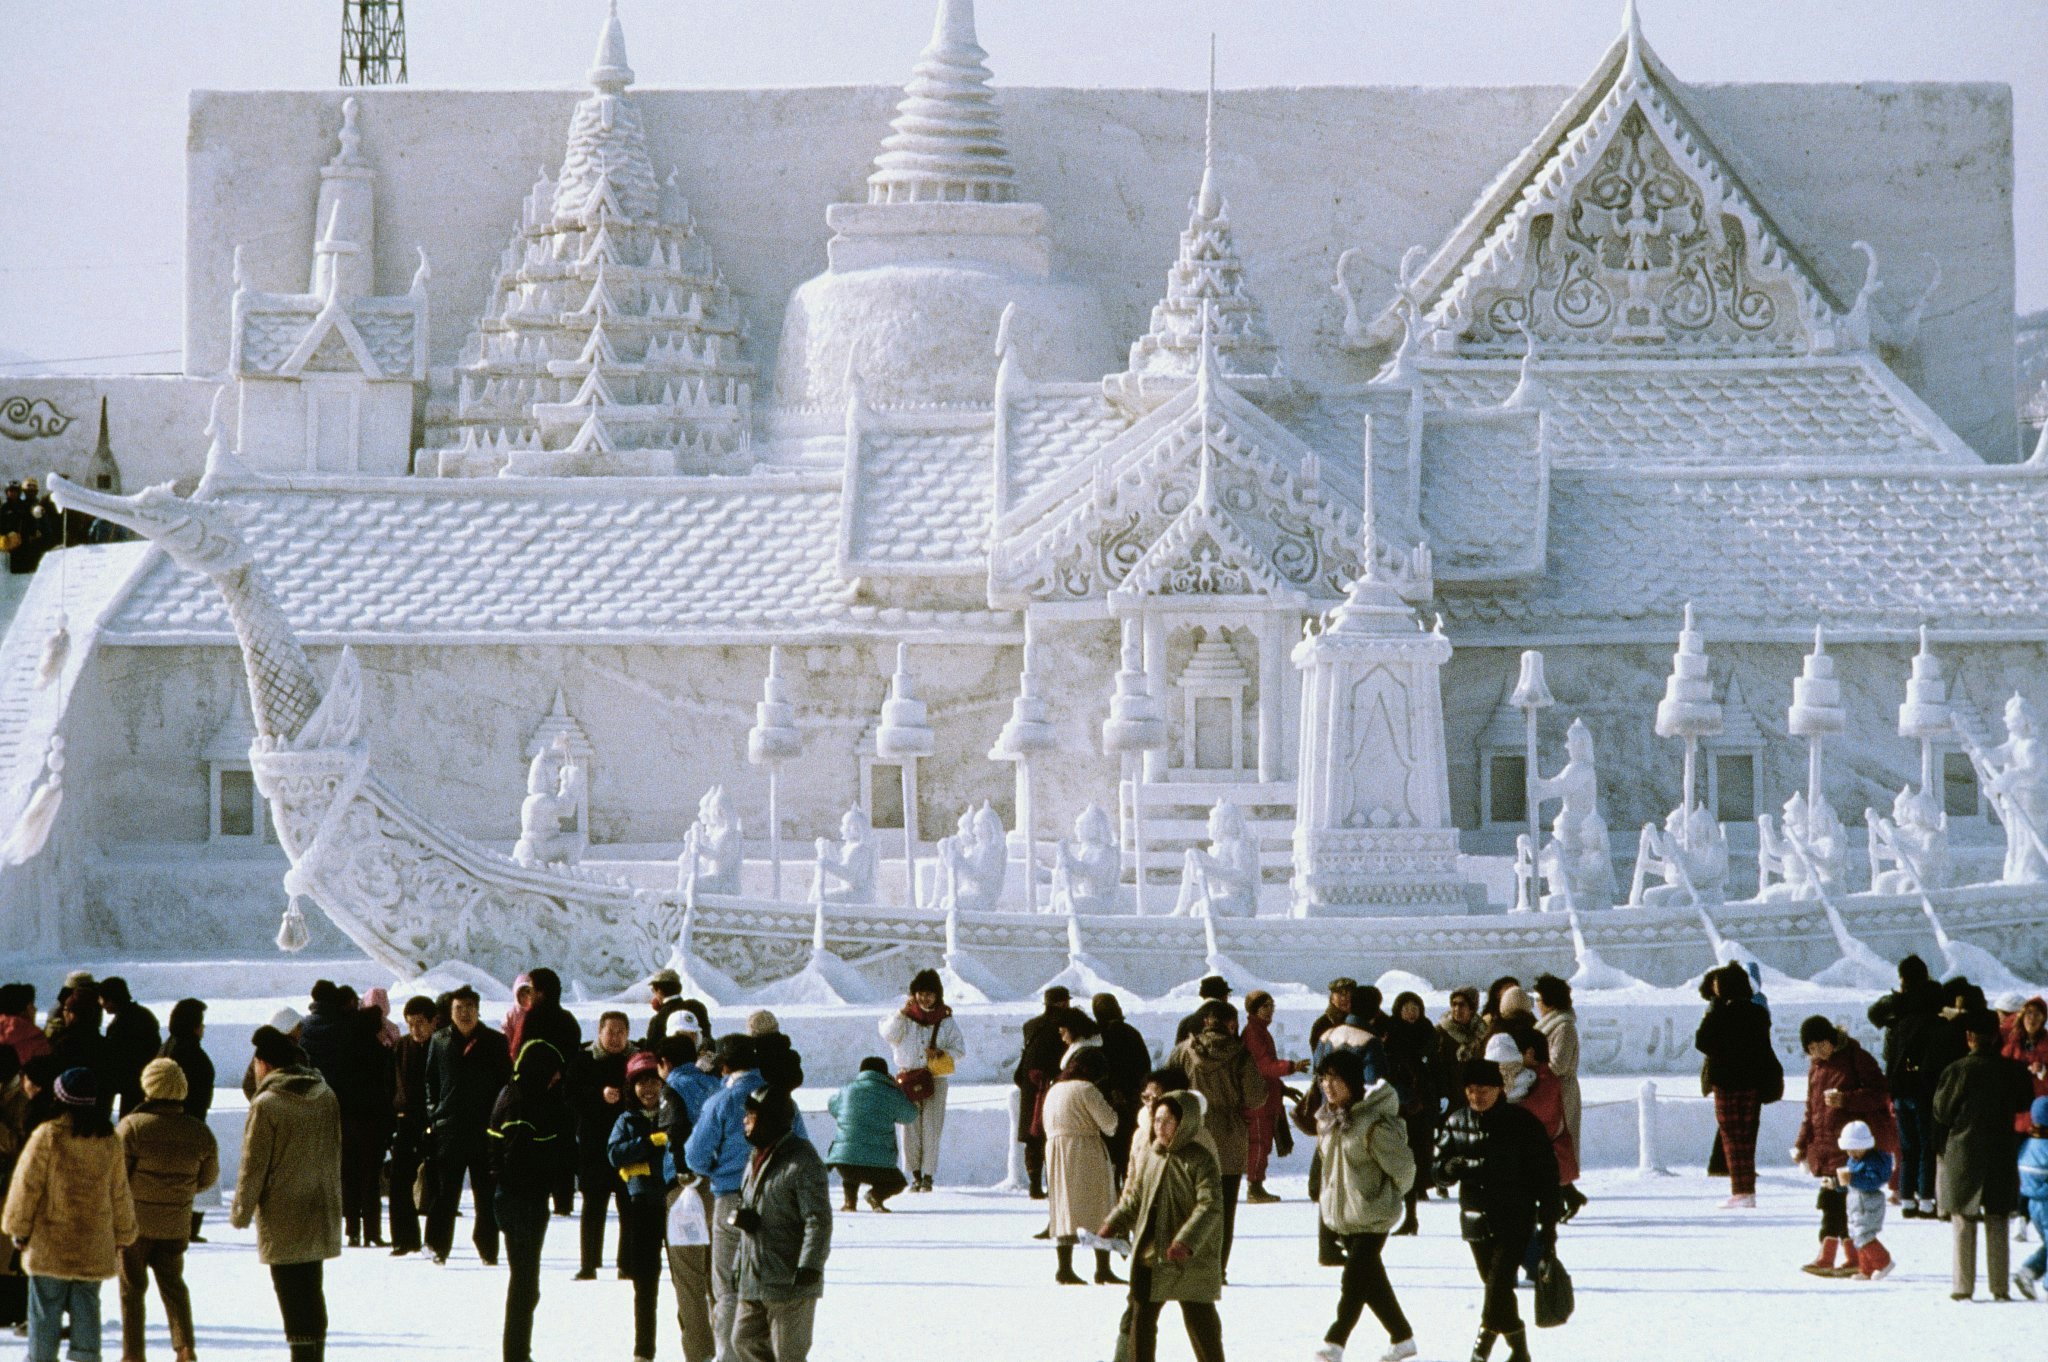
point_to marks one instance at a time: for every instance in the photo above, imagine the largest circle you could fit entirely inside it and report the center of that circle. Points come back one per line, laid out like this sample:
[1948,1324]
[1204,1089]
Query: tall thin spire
[946,142]
[1369,537]
[1209,202]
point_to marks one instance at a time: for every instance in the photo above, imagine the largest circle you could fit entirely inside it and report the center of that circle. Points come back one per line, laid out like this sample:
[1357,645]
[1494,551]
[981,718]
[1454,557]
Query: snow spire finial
[946,141]
[608,70]
[1632,38]
[1209,202]
[1369,546]
[349,152]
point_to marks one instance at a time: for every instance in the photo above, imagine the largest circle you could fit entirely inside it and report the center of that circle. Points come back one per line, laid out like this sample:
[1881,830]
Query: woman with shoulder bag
[1368,1168]
[925,1045]
[1740,1072]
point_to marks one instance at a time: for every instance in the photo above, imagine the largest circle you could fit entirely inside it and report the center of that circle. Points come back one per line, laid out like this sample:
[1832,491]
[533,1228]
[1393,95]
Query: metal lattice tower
[373,42]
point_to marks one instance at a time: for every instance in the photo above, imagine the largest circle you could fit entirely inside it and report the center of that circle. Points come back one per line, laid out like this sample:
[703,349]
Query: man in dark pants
[599,1093]
[467,1067]
[1126,1059]
[409,1128]
[1037,1066]
[546,1019]
[1500,1157]
[1910,1017]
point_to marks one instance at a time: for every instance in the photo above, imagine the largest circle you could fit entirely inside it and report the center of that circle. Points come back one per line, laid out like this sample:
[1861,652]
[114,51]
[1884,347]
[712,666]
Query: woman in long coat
[1221,1070]
[1169,1210]
[1080,1184]
[1974,1106]
[1560,1027]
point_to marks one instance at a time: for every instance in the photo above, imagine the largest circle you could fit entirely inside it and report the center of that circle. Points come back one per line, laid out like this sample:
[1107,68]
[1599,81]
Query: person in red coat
[1264,1120]
[2027,1042]
[1844,1083]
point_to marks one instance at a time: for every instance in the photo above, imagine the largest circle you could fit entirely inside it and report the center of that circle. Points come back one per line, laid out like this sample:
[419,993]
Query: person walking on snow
[1740,1072]
[1080,1184]
[467,1066]
[289,1186]
[1504,1167]
[925,1044]
[1866,1175]
[1559,1026]
[599,1095]
[642,1149]
[1368,1169]
[531,1141]
[1974,1105]
[1221,1070]
[1843,1084]
[1264,1121]
[785,1221]
[1171,1212]
[2033,1166]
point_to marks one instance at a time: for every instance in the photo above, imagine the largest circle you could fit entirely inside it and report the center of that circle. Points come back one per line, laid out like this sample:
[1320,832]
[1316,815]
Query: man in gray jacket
[785,1220]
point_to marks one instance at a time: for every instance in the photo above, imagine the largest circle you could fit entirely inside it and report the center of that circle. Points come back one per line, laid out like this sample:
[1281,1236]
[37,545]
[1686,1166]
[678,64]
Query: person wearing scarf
[923,1035]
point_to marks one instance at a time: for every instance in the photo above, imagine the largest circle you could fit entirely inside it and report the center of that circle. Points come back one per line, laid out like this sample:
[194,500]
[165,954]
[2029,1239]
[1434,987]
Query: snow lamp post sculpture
[1531,696]
[1027,732]
[904,736]
[1816,712]
[1134,727]
[1925,712]
[1690,853]
[773,740]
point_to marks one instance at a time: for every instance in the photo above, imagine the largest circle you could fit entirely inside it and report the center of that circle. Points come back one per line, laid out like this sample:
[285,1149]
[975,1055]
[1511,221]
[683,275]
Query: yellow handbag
[941,1065]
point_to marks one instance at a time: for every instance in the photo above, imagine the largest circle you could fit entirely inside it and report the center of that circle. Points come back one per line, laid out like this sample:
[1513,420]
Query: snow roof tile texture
[1048,431]
[711,558]
[922,497]
[1766,553]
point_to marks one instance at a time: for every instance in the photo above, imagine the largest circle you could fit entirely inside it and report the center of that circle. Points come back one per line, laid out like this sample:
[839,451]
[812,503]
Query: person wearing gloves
[1368,1168]
[1866,1175]
[925,1045]
[171,1157]
[532,1138]
[1171,1211]
[289,1185]
[1500,1157]
[69,1210]
[865,1114]
[1843,1084]
[642,1150]
[785,1223]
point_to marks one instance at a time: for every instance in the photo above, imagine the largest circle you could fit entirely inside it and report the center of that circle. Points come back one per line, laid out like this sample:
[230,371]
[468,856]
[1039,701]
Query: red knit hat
[641,1063]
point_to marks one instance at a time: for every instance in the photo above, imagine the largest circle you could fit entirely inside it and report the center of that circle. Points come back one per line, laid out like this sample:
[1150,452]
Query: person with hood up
[186,1029]
[642,1149]
[1080,1184]
[1740,1072]
[69,1206]
[171,1158]
[1221,1070]
[785,1222]
[1505,1168]
[289,1185]
[1126,1059]
[1974,1106]
[1411,1067]
[1267,1116]
[1171,1211]
[546,1019]
[865,1114]
[531,1141]
[1843,1084]
[925,1044]
[1368,1169]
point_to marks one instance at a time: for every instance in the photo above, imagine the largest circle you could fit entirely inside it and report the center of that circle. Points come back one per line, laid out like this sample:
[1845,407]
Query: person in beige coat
[1220,1068]
[1560,1026]
[1368,1167]
[289,1185]
[1080,1182]
[171,1158]
[69,1208]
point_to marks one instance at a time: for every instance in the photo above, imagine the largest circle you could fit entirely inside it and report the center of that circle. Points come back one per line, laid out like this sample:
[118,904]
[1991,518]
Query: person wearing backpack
[1910,1018]
[530,1141]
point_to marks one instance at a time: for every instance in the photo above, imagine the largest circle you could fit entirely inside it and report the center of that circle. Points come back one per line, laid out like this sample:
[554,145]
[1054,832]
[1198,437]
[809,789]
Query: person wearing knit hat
[761,1022]
[171,1159]
[1867,1175]
[68,1202]
[289,1185]
[1500,1158]
[785,1218]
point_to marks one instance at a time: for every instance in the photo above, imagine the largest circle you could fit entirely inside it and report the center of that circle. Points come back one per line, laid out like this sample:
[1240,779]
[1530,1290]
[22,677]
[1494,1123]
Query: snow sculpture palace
[1302,588]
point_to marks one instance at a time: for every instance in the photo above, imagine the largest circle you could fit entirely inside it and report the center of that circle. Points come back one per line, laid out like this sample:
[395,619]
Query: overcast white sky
[93,92]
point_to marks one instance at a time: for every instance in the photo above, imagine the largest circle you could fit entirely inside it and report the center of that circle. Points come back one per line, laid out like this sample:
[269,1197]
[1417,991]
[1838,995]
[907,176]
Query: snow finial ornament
[1528,387]
[350,151]
[1209,202]
[946,141]
[608,70]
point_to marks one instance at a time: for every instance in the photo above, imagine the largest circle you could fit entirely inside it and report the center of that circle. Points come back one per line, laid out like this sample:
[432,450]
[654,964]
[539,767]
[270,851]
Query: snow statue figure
[973,863]
[2015,776]
[1813,829]
[1575,862]
[1088,871]
[1689,855]
[547,816]
[712,852]
[846,870]
[1222,881]
[1913,842]
[1525,873]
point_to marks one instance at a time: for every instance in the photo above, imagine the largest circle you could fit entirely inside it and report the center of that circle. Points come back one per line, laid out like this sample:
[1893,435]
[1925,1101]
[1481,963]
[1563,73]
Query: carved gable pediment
[1204,553]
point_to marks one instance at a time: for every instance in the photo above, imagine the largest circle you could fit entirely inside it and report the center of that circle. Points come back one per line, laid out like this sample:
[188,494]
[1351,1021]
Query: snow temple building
[1066,364]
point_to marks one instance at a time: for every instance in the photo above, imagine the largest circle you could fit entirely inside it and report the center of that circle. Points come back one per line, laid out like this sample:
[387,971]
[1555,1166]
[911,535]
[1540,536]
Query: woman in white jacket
[925,1045]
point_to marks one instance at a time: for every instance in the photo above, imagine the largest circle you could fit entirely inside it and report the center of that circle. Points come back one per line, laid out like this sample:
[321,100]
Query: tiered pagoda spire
[1207,277]
[946,142]
[611,345]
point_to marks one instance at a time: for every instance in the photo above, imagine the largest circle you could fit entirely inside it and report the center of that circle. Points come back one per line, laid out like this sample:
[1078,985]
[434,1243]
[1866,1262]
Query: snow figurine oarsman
[713,854]
[846,870]
[2016,779]
[1808,855]
[1088,871]
[1690,855]
[1913,842]
[1575,862]
[973,861]
[1222,881]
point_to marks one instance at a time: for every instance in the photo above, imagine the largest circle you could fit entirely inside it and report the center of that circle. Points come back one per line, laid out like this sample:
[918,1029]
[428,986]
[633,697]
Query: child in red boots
[1866,1175]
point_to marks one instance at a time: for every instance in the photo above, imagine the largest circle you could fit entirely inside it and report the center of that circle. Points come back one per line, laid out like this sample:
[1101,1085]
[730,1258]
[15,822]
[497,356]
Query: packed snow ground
[1660,1273]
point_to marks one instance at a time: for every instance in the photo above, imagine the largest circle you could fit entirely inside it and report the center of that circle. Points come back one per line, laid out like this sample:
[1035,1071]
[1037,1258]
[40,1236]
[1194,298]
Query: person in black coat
[532,1141]
[1126,1059]
[1038,1065]
[1500,1158]
[1740,1071]
[409,1123]
[340,1040]
[78,1043]
[467,1067]
[548,1020]
[599,1095]
[1213,988]
[1914,1037]
[187,1028]
[1411,1067]
[133,1038]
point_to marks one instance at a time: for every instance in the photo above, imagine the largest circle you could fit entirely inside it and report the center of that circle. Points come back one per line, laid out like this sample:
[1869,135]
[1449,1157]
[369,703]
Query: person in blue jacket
[643,1151]
[866,1113]
[2034,1192]
[692,1083]
[717,1151]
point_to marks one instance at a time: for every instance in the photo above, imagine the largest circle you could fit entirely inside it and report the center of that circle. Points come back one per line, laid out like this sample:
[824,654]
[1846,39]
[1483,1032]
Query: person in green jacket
[865,1114]
[1172,1212]
[1368,1167]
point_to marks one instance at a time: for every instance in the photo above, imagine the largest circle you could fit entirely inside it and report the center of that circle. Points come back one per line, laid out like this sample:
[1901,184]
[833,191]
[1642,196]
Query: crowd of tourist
[364,1130]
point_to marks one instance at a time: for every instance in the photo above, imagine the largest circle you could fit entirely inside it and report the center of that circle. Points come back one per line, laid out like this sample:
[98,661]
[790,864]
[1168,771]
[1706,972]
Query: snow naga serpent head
[200,536]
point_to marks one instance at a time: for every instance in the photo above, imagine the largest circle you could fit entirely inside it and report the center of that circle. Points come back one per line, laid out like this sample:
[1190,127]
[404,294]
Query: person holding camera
[785,1224]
